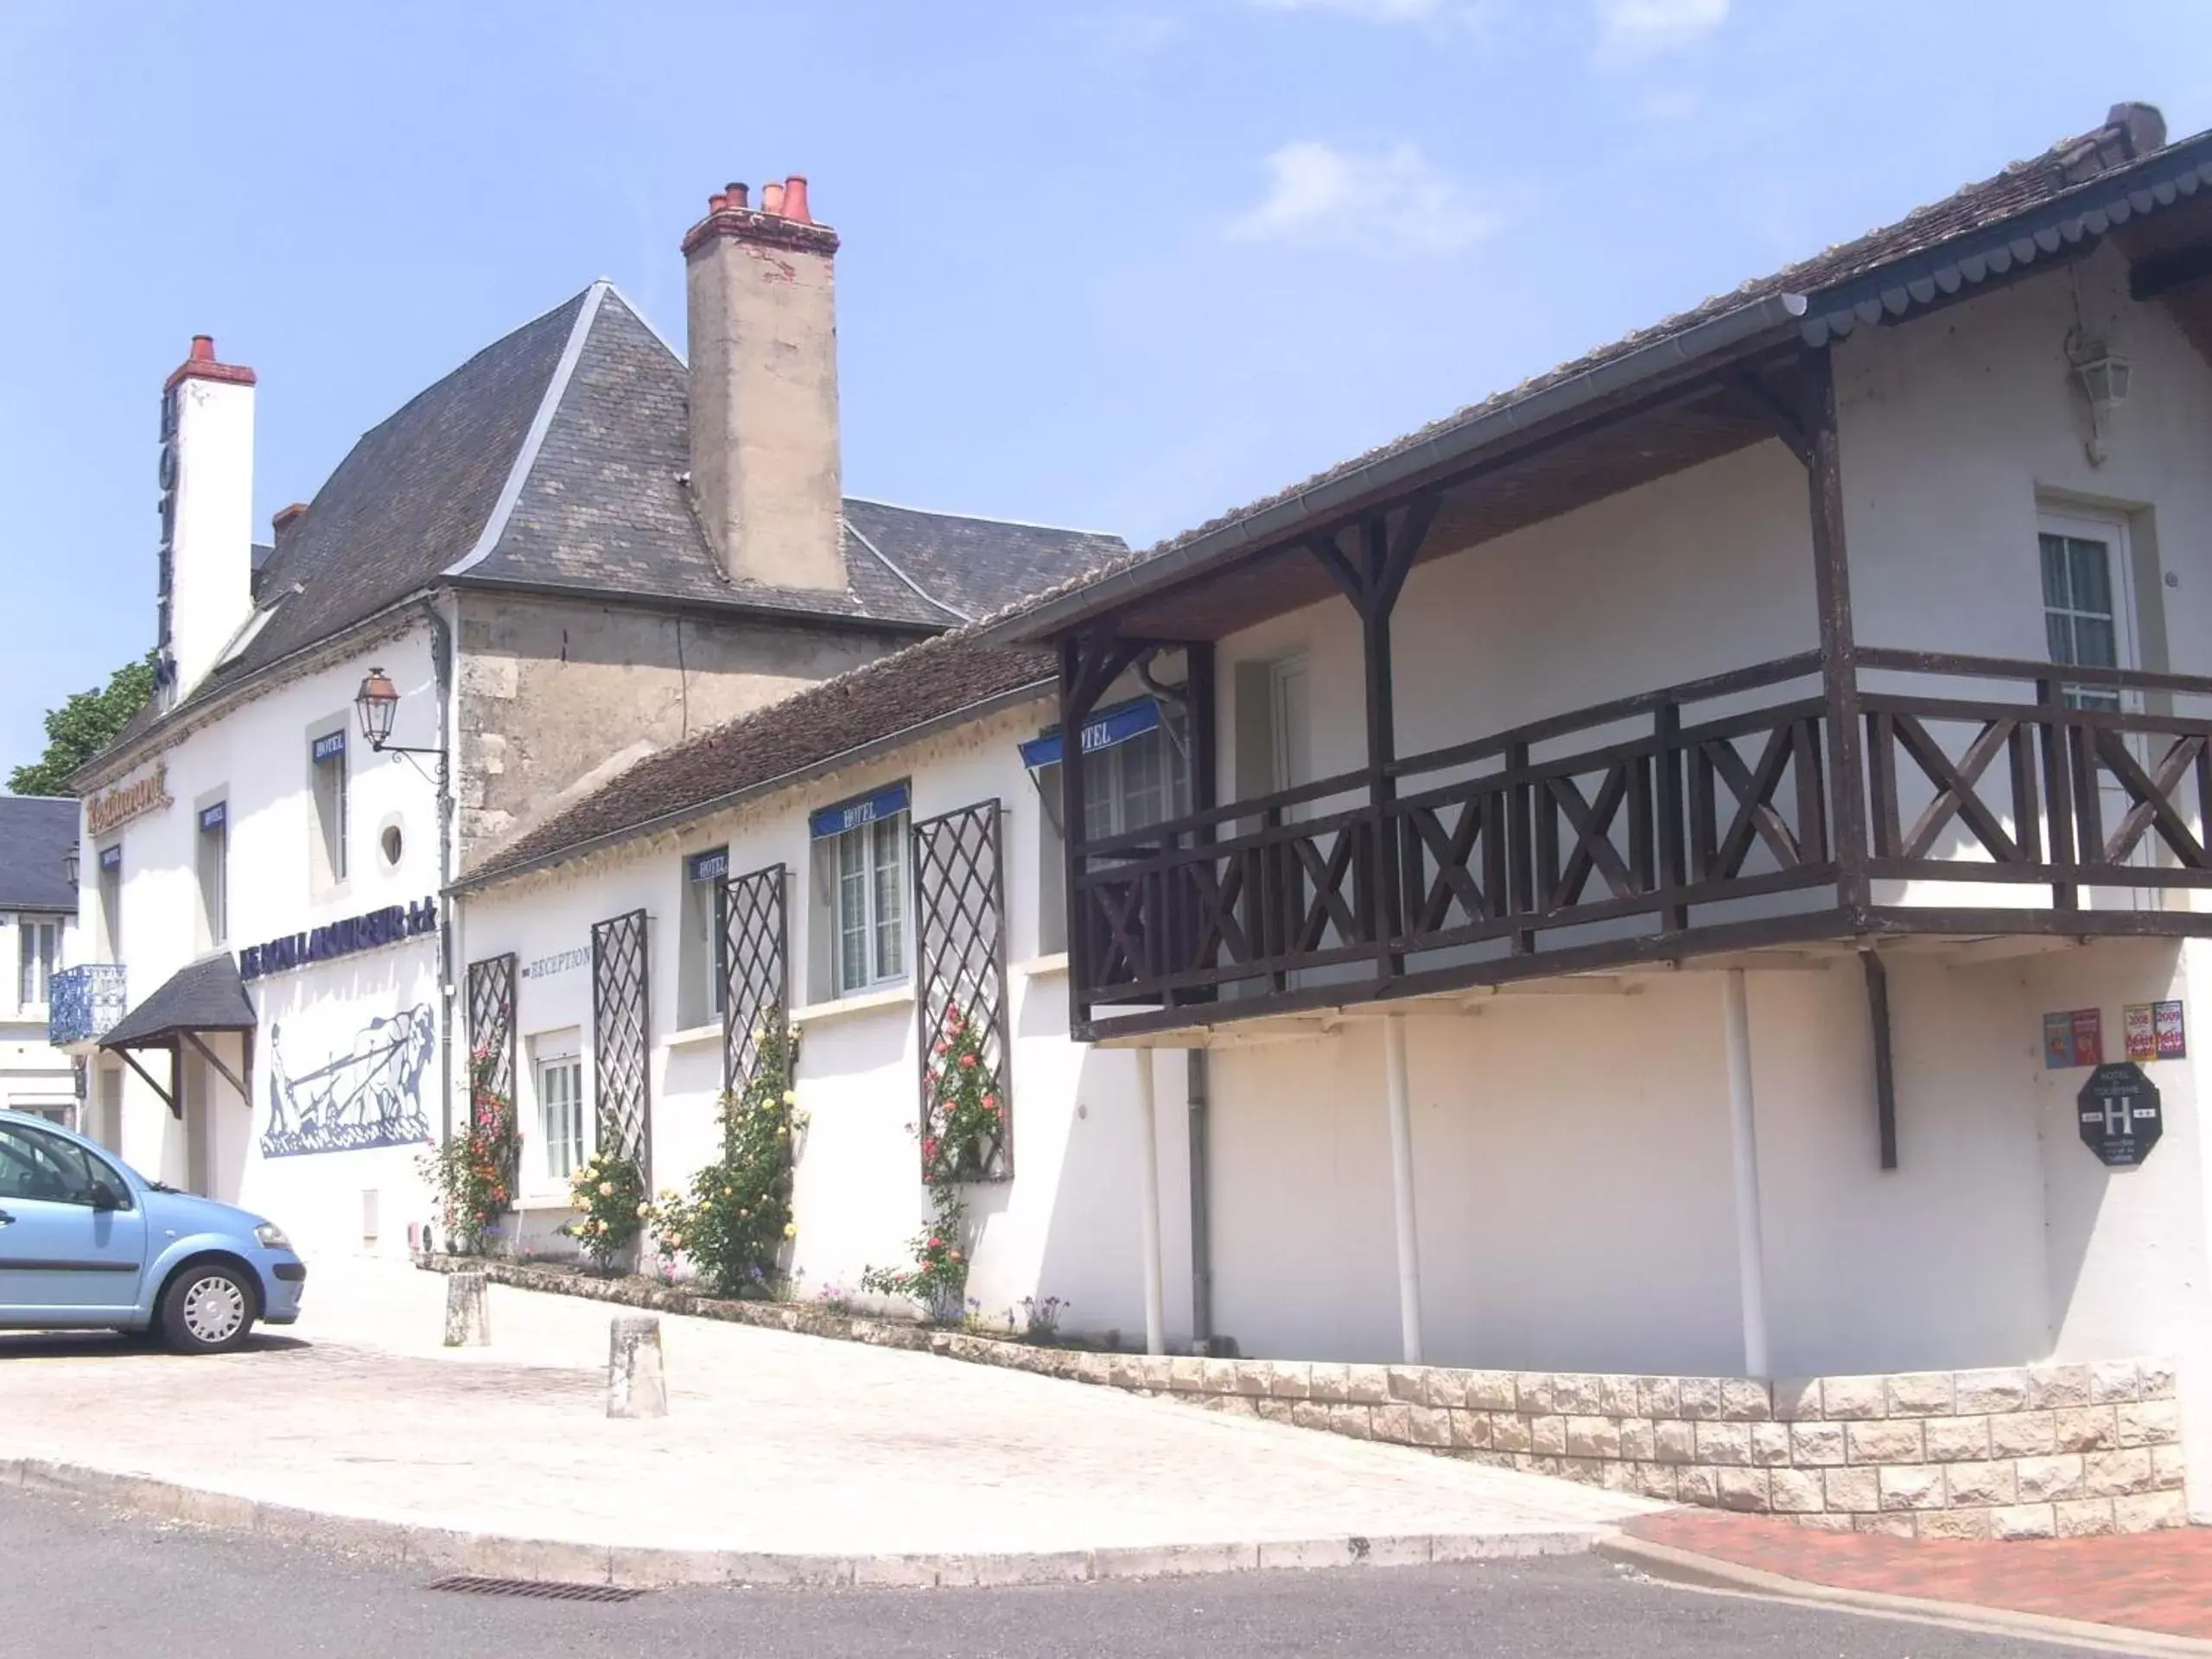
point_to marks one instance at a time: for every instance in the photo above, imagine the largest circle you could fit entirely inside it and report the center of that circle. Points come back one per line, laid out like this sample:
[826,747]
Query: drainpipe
[441,668]
[1402,1175]
[1743,1141]
[1197,1086]
[1155,1318]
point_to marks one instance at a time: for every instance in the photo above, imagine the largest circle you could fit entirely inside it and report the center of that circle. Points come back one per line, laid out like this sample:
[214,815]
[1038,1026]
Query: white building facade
[1650,878]
[38,924]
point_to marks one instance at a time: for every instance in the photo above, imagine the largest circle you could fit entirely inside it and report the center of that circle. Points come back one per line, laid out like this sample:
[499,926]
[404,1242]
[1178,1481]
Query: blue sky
[1119,265]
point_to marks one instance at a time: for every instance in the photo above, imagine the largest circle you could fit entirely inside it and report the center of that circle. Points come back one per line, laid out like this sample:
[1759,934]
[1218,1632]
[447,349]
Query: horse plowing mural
[370,1096]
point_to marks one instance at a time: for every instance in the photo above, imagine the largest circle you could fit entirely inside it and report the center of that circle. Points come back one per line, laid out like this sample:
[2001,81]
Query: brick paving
[2160,1581]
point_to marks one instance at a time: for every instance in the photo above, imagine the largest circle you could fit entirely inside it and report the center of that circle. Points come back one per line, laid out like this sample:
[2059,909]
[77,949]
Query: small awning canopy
[206,996]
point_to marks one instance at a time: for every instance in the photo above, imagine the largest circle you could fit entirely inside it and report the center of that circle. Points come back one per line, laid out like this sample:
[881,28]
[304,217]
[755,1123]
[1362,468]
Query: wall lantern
[70,868]
[377,703]
[2104,376]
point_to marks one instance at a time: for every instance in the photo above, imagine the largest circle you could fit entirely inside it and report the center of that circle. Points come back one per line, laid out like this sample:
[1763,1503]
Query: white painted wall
[1064,1226]
[35,1076]
[254,757]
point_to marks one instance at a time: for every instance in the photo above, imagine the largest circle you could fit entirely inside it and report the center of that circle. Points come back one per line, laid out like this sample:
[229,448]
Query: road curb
[493,1555]
[1688,1568]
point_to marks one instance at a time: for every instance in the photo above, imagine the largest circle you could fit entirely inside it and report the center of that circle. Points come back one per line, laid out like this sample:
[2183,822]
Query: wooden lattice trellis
[960,958]
[620,1033]
[757,958]
[491,1022]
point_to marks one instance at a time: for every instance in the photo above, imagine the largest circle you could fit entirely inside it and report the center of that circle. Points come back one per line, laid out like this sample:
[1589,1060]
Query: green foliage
[83,725]
[473,1173]
[610,1190]
[738,1219]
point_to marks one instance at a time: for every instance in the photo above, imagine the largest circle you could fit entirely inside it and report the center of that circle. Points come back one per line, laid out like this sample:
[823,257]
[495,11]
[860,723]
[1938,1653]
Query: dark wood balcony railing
[1655,827]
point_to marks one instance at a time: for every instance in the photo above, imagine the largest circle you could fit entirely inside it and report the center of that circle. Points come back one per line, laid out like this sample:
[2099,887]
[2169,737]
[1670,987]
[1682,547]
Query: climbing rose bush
[736,1224]
[610,1191]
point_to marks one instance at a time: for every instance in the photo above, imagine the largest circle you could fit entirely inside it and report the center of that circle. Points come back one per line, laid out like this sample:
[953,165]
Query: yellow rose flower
[790,1229]
[606,1189]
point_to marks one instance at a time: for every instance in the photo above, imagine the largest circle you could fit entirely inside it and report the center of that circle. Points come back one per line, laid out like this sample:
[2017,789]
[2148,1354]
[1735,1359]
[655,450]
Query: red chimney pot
[772,199]
[795,198]
[203,348]
[737,194]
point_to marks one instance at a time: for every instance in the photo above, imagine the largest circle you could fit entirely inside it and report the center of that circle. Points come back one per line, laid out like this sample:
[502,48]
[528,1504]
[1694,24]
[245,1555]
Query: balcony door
[2090,619]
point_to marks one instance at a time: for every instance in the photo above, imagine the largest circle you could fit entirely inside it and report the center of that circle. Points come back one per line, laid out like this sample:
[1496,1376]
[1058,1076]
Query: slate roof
[594,407]
[203,995]
[35,830]
[2099,175]
[805,733]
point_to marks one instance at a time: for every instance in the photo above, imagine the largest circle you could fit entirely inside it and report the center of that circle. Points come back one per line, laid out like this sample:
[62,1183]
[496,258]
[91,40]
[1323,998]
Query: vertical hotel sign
[126,801]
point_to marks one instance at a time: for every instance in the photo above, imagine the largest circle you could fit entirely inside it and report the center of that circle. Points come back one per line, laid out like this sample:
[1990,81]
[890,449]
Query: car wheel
[207,1309]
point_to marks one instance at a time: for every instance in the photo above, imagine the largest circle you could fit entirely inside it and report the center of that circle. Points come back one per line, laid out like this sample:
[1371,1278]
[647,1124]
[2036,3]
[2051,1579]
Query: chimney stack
[206,507]
[763,345]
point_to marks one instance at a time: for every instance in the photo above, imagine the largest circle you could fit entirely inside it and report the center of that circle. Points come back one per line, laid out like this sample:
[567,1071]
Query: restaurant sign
[128,801]
[379,927]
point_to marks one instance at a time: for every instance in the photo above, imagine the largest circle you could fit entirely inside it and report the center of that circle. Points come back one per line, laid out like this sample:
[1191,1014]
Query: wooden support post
[1839,644]
[1885,1081]
[1089,664]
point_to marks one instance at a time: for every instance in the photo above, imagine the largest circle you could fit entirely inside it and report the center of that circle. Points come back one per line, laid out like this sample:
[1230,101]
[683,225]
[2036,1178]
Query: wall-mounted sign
[329,747]
[215,816]
[2073,1037]
[128,801]
[559,962]
[2155,1030]
[390,925]
[835,820]
[708,867]
[2120,1116]
[111,858]
[1101,731]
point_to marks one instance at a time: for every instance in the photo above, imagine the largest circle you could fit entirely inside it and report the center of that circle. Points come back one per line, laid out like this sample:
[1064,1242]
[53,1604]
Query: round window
[393,844]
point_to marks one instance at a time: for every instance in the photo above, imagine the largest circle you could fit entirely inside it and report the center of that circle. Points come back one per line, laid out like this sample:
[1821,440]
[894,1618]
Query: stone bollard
[637,1385]
[468,1315]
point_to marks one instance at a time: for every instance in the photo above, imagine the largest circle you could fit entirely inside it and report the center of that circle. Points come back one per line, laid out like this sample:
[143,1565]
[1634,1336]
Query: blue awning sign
[1101,731]
[215,816]
[111,858]
[835,820]
[707,866]
[328,747]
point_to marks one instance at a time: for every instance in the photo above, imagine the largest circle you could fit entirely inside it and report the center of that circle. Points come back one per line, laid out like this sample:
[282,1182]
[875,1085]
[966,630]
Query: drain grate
[468,1584]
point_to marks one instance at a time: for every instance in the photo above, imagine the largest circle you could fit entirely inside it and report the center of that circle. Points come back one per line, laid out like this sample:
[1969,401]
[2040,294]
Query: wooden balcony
[1699,819]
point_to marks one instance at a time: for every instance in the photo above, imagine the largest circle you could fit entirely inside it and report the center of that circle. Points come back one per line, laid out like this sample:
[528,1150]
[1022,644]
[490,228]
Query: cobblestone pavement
[772,1443]
[2158,1581]
[81,1579]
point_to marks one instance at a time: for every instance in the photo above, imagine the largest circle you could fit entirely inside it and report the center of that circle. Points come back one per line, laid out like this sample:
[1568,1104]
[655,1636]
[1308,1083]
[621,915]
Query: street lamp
[2105,378]
[70,868]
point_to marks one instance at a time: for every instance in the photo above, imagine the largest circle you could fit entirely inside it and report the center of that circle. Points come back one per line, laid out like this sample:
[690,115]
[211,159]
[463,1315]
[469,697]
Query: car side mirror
[104,1197]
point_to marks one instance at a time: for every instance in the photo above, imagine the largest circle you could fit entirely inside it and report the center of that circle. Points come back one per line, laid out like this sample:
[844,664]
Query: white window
[214,859]
[2086,615]
[1130,782]
[326,764]
[111,890]
[869,901]
[703,969]
[39,948]
[560,1077]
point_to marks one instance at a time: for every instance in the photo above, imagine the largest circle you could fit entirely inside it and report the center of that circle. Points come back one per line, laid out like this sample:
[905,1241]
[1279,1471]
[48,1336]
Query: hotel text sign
[379,927]
[128,801]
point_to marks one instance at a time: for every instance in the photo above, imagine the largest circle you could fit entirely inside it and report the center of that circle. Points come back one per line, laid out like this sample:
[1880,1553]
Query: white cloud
[1394,201]
[1636,28]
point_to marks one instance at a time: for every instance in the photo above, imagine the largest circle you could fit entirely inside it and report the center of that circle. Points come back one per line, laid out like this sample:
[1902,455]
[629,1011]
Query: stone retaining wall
[2029,1451]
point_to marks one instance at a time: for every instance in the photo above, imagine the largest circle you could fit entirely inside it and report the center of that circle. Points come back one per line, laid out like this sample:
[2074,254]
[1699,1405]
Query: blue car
[87,1242]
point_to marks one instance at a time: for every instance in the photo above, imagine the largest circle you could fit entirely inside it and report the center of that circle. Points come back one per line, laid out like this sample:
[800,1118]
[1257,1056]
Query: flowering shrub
[611,1193]
[939,1276]
[1041,1317]
[962,1118]
[738,1220]
[473,1173]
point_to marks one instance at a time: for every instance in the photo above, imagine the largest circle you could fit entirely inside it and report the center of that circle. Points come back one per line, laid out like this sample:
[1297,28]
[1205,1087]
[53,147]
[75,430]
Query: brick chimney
[763,344]
[206,506]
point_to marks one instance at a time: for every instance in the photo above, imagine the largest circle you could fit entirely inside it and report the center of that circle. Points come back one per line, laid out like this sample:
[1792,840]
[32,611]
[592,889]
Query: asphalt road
[79,1579]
